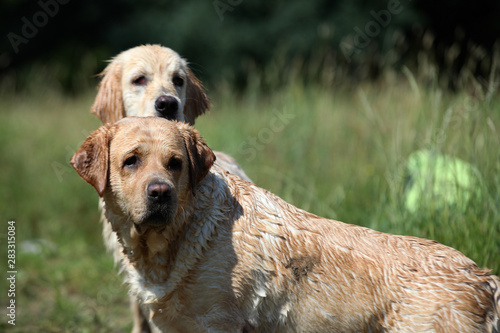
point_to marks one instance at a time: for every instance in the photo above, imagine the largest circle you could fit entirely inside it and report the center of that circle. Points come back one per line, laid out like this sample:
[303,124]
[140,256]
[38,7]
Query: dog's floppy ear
[197,101]
[108,104]
[92,158]
[201,157]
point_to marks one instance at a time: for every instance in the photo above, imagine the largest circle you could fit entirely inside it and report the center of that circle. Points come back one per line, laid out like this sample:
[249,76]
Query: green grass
[336,152]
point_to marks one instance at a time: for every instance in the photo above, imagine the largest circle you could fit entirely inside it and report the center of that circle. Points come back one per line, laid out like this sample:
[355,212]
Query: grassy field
[337,152]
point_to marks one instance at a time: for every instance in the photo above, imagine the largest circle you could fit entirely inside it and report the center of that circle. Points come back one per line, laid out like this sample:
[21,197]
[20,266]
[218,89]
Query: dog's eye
[139,81]
[175,164]
[178,81]
[130,161]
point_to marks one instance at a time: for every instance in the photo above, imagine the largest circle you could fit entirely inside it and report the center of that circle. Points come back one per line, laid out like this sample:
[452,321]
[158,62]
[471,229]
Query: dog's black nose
[167,106]
[158,192]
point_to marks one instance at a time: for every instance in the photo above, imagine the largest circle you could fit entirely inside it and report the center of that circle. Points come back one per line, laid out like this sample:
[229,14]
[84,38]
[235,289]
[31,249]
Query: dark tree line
[70,39]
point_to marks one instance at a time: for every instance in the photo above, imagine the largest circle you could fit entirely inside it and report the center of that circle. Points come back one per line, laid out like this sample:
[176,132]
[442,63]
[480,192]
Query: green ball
[438,181]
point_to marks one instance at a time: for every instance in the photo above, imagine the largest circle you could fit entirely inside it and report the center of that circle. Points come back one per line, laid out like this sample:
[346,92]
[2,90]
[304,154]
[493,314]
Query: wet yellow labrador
[205,251]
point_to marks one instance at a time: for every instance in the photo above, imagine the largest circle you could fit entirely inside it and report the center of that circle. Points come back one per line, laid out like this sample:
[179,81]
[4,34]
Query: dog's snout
[158,192]
[167,106]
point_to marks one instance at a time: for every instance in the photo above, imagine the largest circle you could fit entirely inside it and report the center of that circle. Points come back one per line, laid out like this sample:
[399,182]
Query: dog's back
[309,272]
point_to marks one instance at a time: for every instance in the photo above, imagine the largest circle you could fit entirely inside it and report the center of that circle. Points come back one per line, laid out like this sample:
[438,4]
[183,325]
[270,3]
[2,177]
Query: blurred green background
[388,114]
[65,42]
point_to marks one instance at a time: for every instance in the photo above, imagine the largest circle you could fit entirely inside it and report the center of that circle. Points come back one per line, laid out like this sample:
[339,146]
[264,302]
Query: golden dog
[206,251]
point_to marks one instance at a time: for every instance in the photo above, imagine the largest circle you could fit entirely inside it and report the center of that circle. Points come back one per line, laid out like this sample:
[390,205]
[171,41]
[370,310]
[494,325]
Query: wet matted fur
[206,251]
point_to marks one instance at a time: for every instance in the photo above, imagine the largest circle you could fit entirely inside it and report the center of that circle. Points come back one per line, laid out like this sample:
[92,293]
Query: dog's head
[147,81]
[145,168]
